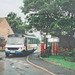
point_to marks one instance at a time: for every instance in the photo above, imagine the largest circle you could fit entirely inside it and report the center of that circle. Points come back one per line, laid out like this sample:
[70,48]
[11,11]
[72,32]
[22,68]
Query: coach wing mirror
[24,44]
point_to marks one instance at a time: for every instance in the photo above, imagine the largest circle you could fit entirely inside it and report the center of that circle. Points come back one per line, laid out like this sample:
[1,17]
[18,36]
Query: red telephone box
[42,47]
[55,47]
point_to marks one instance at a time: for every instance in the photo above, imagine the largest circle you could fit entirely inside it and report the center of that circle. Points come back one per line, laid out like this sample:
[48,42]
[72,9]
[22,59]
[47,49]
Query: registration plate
[12,51]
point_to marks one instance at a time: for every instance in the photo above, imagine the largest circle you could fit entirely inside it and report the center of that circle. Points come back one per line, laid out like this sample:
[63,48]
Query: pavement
[56,70]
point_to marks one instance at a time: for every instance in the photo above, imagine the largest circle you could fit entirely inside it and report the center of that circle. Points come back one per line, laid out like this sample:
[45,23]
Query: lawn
[59,60]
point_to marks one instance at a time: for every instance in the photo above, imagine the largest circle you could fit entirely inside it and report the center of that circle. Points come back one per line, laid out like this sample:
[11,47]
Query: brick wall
[5,28]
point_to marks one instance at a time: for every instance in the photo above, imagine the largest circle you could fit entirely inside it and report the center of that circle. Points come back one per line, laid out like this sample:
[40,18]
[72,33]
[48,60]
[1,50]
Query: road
[17,65]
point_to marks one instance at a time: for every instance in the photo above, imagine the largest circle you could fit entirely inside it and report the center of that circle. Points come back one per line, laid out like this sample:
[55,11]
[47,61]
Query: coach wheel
[33,50]
[7,55]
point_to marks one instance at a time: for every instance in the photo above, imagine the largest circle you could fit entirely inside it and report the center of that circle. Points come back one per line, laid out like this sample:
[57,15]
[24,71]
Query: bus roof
[16,35]
[30,36]
[20,35]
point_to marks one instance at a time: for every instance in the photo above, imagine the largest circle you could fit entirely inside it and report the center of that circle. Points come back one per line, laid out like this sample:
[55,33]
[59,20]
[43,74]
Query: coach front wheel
[7,55]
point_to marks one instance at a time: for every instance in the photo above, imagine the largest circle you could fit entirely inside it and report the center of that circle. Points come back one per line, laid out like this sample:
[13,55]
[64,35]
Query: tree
[65,25]
[45,15]
[54,16]
[64,29]
[14,21]
[68,6]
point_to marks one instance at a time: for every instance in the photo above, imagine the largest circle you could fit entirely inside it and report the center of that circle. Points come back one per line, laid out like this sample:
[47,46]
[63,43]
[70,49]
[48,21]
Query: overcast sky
[7,6]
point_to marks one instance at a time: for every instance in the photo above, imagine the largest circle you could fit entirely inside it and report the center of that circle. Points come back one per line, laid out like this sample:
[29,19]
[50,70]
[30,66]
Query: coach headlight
[20,49]
[6,48]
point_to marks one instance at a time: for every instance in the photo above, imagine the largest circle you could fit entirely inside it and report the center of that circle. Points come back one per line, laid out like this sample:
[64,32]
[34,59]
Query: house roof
[5,28]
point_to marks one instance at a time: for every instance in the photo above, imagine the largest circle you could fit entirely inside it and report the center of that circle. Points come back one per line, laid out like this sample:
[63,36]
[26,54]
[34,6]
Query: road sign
[48,36]
[53,40]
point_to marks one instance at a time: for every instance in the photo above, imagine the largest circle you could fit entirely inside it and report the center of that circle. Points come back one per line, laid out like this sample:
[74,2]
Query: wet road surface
[17,65]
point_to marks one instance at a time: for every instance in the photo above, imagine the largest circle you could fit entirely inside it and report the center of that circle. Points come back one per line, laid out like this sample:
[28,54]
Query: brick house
[5,28]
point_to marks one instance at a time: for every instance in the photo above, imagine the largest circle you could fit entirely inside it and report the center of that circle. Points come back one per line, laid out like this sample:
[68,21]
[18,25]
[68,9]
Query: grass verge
[59,60]
[2,50]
